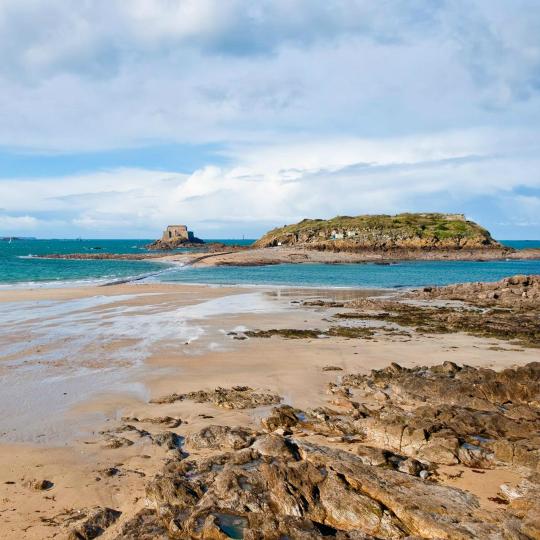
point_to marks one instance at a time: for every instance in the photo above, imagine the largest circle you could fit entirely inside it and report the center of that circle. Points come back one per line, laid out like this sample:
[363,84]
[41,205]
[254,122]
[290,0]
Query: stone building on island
[176,232]
[175,236]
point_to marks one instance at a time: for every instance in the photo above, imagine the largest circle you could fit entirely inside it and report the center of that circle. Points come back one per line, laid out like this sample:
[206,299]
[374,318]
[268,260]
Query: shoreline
[300,255]
[264,257]
[115,449]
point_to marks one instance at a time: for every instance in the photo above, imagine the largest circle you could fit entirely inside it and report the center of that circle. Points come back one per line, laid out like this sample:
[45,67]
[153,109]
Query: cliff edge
[383,232]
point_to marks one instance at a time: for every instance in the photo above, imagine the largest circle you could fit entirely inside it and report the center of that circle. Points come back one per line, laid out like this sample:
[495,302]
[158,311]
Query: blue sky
[117,117]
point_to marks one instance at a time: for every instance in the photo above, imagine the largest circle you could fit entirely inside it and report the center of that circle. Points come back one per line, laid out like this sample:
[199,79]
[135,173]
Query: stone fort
[174,232]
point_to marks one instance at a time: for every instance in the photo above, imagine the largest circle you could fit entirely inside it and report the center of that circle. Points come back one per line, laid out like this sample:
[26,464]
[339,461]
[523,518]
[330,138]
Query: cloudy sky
[118,117]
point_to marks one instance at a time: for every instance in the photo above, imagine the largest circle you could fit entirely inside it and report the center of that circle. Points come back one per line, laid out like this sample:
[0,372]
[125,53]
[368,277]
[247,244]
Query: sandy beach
[75,362]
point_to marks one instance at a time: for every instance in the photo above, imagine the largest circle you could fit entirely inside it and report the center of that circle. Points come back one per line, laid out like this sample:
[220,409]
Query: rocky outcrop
[449,414]
[284,488]
[237,397]
[383,232]
[175,243]
[221,438]
[515,291]
[495,311]
[396,426]
[94,524]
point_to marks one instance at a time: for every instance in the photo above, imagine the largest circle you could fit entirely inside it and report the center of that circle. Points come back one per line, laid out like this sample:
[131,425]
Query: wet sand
[73,362]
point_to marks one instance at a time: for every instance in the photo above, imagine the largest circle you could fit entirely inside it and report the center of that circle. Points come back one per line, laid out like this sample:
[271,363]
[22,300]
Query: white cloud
[321,107]
[101,75]
[17,223]
[444,172]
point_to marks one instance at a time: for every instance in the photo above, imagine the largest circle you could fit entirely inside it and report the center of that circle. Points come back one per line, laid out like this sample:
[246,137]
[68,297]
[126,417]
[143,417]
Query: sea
[19,267]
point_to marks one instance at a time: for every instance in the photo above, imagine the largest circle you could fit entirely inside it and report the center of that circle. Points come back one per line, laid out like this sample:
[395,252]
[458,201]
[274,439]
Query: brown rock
[94,525]
[220,438]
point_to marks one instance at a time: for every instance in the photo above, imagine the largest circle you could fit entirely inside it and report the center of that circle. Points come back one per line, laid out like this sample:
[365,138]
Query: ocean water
[18,266]
[521,244]
[369,275]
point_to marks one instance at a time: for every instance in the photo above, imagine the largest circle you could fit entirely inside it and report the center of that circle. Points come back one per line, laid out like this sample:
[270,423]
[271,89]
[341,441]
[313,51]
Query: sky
[234,116]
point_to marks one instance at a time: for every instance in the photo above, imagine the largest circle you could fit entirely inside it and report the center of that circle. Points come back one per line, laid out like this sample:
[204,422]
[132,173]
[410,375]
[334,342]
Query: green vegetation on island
[409,231]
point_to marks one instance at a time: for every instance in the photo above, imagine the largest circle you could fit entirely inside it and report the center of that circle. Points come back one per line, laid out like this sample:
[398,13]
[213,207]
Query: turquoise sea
[19,267]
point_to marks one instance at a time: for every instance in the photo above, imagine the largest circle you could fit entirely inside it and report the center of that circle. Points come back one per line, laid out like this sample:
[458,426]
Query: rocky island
[383,232]
[175,236]
[360,239]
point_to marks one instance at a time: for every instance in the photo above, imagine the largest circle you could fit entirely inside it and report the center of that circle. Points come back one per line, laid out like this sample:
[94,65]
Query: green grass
[425,226]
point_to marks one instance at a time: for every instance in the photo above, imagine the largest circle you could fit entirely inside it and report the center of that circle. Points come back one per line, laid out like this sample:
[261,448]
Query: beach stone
[145,525]
[284,416]
[168,439]
[237,397]
[376,457]
[272,445]
[118,442]
[410,466]
[40,485]
[221,437]
[95,524]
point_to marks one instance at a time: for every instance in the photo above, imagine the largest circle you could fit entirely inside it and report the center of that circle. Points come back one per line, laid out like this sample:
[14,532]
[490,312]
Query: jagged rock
[376,457]
[237,397]
[304,490]
[283,416]
[117,442]
[410,466]
[220,438]
[275,446]
[168,421]
[476,416]
[515,291]
[168,439]
[94,525]
[145,525]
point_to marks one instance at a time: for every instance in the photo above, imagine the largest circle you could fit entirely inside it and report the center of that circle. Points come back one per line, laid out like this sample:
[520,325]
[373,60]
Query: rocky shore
[299,255]
[408,231]
[219,255]
[411,415]
[374,471]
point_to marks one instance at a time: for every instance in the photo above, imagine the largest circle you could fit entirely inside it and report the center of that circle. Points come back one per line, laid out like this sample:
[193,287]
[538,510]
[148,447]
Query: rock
[145,525]
[237,397]
[168,439]
[332,368]
[110,471]
[118,442]
[410,466]
[220,437]
[475,456]
[372,456]
[40,485]
[477,417]
[301,490]
[380,396]
[284,416]
[273,445]
[94,525]
[169,421]
[515,291]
